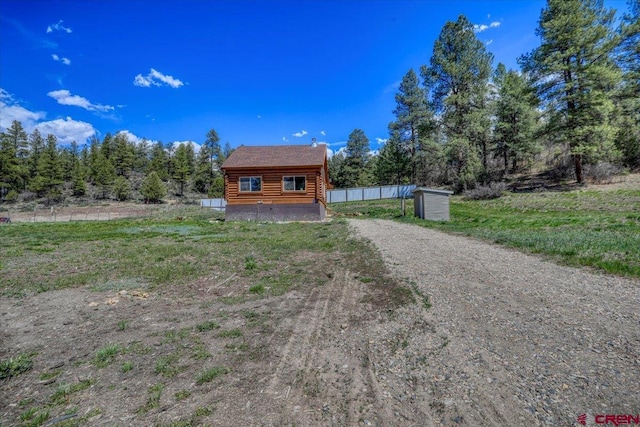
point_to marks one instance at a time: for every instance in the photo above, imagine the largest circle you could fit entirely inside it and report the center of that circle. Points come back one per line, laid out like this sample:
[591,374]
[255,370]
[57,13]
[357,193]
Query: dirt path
[522,341]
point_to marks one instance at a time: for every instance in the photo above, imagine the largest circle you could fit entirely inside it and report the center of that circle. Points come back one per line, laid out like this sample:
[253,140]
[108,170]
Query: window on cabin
[250,184]
[295,183]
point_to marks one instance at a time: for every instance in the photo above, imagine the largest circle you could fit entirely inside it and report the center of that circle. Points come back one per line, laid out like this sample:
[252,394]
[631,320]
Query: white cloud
[488,42]
[196,146]
[300,134]
[478,28]
[393,87]
[323,133]
[340,151]
[65,61]
[58,27]
[130,136]
[156,78]
[135,139]
[142,81]
[10,111]
[284,139]
[65,97]
[381,141]
[67,130]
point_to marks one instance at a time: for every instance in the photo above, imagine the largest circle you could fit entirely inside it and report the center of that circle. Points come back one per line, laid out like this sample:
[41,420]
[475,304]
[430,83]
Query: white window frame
[293,178]
[251,184]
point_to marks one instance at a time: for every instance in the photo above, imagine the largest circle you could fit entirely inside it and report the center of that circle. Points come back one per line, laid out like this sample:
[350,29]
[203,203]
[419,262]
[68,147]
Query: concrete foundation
[276,212]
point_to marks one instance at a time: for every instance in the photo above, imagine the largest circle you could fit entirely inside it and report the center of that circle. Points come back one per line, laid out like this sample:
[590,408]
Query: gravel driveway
[510,339]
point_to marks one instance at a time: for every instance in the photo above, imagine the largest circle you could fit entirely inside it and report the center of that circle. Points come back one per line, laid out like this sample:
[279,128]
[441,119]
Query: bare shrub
[602,172]
[484,192]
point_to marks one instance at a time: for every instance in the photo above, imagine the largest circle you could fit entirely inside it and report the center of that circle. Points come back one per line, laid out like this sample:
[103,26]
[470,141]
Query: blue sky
[259,72]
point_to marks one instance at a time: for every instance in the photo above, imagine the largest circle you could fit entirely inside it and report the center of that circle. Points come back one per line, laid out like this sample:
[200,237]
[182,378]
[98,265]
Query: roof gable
[276,156]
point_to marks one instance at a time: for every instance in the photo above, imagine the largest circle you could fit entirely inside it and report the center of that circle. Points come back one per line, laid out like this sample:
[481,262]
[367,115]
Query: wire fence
[74,214]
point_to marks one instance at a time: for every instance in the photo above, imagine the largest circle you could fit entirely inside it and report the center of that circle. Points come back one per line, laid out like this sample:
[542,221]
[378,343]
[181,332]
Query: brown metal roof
[276,156]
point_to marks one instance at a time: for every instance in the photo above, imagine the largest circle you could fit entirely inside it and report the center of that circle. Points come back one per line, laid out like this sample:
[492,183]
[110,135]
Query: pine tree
[574,74]
[159,161]
[335,164]
[93,158]
[9,166]
[457,80]
[153,189]
[191,157]
[202,174]
[36,147]
[105,176]
[123,155]
[353,171]
[414,120]
[516,117]
[627,115]
[78,179]
[108,146]
[181,167]
[141,156]
[14,154]
[49,176]
[212,147]
[393,166]
[122,189]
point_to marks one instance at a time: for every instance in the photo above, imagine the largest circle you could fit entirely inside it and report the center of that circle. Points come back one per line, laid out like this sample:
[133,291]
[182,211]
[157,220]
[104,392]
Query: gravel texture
[509,339]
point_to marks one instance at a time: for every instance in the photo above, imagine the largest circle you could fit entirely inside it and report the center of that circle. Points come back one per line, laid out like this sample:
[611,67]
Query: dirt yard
[494,337]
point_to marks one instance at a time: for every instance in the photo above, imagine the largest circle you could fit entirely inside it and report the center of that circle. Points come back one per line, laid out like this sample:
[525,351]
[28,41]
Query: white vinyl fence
[215,204]
[370,193]
[340,195]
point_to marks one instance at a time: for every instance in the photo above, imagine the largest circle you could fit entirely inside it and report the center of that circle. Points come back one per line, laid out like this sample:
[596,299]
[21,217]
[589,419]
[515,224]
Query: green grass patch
[182,394]
[122,325]
[168,367]
[106,355]
[15,366]
[207,326]
[154,393]
[598,229]
[211,374]
[148,253]
[231,333]
[34,417]
[257,289]
[64,391]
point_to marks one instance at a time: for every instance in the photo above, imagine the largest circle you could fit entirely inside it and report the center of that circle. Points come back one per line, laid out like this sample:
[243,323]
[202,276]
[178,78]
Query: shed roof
[276,156]
[432,191]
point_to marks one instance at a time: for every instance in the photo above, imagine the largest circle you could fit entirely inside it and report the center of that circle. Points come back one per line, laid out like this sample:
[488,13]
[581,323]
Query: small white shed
[431,204]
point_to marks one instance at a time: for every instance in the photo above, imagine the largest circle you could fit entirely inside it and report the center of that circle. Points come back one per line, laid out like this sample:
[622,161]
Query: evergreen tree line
[462,123]
[458,121]
[115,167]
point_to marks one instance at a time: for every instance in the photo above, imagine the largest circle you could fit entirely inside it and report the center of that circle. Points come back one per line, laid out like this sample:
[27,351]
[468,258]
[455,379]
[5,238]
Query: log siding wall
[272,186]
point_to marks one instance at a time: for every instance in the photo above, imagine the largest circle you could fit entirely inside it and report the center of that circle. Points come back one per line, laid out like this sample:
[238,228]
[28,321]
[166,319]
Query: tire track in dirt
[323,376]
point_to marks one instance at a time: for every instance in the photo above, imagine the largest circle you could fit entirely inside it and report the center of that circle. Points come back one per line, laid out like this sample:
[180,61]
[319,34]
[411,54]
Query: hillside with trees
[573,109]
[33,167]
[459,122]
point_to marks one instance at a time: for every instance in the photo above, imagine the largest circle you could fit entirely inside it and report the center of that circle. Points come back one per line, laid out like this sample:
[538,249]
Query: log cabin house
[276,183]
